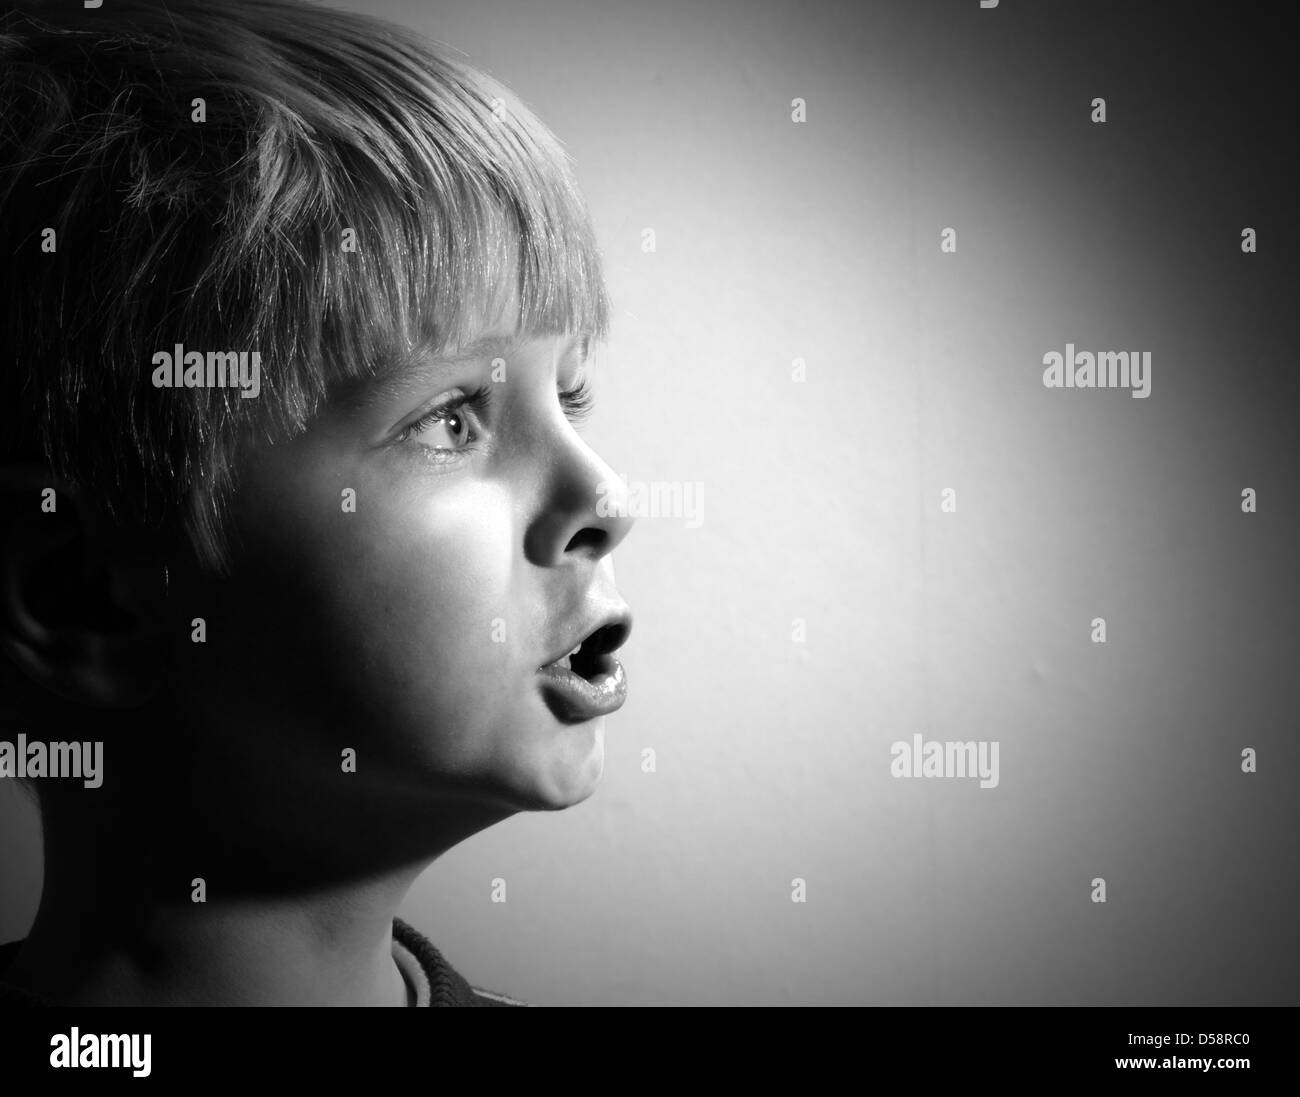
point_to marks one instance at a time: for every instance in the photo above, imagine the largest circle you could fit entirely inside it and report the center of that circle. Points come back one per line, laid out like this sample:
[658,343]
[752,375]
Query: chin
[573,770]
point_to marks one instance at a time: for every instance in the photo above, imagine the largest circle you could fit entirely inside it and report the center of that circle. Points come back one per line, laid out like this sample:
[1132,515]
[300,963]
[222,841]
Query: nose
[584,512]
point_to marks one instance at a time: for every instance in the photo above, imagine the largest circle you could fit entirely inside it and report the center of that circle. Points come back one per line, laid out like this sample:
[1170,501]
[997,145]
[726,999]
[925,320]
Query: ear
[81,606]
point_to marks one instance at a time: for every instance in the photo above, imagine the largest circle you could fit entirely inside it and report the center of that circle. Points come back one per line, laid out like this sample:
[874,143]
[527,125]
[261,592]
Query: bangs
[452,245]
[407,220]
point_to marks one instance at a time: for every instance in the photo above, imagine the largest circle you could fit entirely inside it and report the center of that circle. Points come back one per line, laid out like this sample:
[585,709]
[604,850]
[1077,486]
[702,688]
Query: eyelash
[577,403]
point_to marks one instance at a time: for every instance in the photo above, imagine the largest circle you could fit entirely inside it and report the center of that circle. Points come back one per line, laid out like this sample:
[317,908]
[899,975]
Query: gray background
[820,241]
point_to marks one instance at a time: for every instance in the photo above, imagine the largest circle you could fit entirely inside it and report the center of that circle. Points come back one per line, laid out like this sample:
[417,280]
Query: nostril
[588,536]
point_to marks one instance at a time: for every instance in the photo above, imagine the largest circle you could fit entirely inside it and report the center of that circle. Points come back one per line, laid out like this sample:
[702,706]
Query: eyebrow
[404,373]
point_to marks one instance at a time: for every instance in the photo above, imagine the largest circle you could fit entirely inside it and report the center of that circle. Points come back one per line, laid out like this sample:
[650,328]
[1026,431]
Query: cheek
[416,591]
[389,619]
[437,593]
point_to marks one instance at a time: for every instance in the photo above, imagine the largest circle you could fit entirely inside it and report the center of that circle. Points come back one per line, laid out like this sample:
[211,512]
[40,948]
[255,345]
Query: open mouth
[593,655]
[588,681]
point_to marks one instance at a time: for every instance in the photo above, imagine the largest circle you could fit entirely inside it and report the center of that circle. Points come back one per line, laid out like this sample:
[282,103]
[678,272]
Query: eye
[450,423]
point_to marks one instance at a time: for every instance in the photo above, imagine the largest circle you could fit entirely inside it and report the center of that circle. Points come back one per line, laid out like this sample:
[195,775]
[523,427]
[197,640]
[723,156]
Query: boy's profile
[296,521]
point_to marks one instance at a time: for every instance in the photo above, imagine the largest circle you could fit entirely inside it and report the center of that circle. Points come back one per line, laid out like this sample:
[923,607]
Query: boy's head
[298,307]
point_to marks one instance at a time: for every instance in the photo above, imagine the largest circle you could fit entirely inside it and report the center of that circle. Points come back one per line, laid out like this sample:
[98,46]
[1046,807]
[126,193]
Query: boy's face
[410,626]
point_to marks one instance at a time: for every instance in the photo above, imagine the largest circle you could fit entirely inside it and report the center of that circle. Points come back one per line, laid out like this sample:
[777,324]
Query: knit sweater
[432,981]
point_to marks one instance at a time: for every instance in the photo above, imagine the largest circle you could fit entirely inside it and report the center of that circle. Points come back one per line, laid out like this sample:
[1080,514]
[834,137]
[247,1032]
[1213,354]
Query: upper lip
[599,635]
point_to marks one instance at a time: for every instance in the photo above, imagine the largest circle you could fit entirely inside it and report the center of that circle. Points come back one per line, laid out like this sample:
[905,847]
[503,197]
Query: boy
[298,534]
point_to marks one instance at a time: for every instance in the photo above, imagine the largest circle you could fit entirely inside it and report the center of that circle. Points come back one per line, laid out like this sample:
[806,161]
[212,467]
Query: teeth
[567,661]
[564,661]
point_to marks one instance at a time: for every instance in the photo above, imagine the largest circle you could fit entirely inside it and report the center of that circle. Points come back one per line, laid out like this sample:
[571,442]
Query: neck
[275,906]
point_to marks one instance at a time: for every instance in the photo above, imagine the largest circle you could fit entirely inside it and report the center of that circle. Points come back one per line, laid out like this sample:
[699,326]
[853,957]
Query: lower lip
[574,699]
